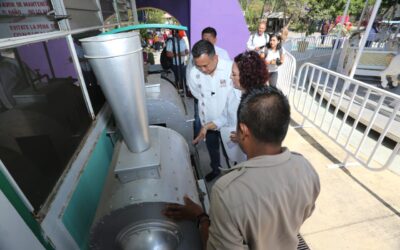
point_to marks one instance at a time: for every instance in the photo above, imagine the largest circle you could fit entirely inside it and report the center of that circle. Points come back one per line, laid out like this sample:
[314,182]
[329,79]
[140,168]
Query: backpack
[166,62]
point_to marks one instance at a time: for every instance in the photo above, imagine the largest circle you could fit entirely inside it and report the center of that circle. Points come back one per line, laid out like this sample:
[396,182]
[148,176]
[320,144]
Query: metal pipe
[117,62]
[134,12]
[82,82]
[46,50]
[339,36]
[362,15]
[364,38]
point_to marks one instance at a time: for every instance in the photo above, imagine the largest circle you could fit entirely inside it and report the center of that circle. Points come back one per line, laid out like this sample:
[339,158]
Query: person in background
[324,31]
[372,35]
[210,34]
[178,52]
[331,27]
[209,82]
[260,203]
[165,36]
[274,57]
[257,41]
[248,71]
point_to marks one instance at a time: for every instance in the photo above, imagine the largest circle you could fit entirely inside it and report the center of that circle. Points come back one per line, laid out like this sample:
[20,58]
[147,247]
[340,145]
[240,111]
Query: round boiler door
[150,235]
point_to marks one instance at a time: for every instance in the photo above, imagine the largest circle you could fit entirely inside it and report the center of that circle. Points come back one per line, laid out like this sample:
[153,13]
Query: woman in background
[274,57]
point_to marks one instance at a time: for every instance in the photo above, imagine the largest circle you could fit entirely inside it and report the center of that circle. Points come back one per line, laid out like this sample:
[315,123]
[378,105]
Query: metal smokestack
[118,65]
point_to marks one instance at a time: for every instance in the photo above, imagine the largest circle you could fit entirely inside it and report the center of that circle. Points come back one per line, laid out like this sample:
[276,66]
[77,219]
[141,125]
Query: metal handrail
[286,74]
[329,100]
[312,46]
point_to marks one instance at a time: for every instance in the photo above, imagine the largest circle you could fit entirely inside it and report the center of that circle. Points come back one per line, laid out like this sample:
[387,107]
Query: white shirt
[227,123]
[228,118]
[211,91]
[221,53]
[272,55]
[182,48]
[262,203]
[256,40]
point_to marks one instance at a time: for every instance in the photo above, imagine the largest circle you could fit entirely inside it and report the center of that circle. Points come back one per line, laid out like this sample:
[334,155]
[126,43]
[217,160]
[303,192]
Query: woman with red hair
[248,71]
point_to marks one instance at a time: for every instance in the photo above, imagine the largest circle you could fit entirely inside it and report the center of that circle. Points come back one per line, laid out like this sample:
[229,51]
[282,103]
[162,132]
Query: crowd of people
[261,202]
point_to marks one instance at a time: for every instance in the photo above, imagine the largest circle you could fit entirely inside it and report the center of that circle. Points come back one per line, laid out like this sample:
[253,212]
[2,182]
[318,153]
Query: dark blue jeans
[212,142]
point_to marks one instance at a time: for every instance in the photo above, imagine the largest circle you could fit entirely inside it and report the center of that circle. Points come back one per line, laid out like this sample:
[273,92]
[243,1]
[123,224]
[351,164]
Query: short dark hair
[203,47]
[279,38]
[209,30]
[252,70]
[266,112]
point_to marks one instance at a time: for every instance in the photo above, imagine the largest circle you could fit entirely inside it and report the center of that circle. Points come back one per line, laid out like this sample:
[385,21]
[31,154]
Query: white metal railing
[286,74]
[372,62]
[313,46]
[348,112]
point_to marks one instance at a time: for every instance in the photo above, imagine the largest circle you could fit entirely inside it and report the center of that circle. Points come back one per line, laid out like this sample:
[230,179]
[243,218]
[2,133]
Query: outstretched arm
[190,211]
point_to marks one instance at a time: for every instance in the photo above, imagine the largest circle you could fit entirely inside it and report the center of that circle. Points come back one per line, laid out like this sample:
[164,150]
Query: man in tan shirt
[260,203]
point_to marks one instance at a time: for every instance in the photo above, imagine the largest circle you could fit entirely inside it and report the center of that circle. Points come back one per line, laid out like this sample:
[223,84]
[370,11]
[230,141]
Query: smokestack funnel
[117,62]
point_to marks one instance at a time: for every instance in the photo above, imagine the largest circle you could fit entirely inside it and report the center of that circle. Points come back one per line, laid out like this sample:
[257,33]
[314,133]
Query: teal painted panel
[80,212]
[146,26]
[22,210]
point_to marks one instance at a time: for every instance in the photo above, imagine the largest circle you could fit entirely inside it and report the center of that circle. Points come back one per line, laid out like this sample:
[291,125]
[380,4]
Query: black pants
[212,142]
[322,39]
[273,78]
[180,77]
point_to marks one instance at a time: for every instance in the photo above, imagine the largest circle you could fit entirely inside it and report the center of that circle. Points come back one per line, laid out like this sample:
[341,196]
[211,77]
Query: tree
[305,15]
[253,10]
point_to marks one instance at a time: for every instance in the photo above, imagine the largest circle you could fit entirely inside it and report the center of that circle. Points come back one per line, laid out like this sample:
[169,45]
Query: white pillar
[134,12]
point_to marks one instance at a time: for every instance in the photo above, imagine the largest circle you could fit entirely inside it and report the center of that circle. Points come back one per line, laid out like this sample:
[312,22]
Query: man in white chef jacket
[209,81]
[208,34]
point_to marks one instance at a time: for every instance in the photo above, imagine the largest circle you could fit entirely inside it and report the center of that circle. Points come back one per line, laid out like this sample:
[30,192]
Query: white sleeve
[225,55]
[223,118]
[169,46]
[191,82]
[189,66]
[182,45]
[250,45]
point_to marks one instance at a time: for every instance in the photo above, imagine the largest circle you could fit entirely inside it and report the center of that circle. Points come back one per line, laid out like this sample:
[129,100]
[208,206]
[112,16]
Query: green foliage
[303,14]
[339,30]
[153,15]
[253,10]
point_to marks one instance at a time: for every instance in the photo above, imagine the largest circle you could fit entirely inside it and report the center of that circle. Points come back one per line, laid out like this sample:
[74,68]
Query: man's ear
[215,57]
[244,131]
